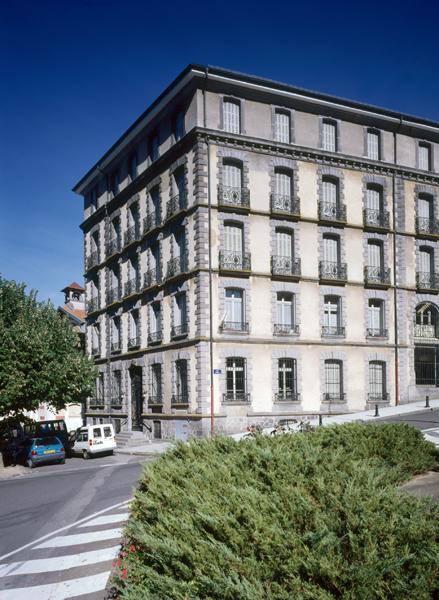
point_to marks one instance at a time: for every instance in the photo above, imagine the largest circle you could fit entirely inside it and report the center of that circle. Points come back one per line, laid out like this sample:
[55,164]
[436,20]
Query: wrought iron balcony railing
[116,403]
[233,196]
[179,330]
[285,205]
[95,403]
[241,326]
[375,398]
[236,398]
[93,259]
[377,332]
[155,337]
[134,342]
[152,277]
[175,204]
[334,397]
[132,234]
[182,398]
[115,347]
[285,266]
[332,271]
[114,295]
[377,275]
[330,211]
[287,396]
[425,331]
[93,305]
[427,226]
[234,261]
[427,281]
[176,266]
[151,221]
[333,331]
[131,287]
[283,329]
[377,219]
[156,400]
[113,246]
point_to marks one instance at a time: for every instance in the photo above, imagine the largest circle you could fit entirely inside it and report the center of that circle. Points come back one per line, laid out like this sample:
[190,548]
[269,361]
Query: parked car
[44,449]
[55,427]
[94,439]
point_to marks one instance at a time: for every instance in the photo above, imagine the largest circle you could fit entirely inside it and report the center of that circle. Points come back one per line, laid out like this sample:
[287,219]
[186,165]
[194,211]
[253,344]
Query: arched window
[426,344]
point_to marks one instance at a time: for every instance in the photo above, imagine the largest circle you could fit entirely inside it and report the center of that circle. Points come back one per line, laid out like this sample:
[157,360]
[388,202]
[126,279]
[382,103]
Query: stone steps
[130,438]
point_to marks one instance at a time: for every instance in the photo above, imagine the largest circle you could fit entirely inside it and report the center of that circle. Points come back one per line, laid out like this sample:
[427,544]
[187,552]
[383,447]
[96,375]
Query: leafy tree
[40,355]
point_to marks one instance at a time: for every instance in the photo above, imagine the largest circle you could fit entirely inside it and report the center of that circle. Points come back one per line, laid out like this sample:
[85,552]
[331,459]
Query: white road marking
[57,563]
[106,520]
[44,537]
[81,538]
[59,591]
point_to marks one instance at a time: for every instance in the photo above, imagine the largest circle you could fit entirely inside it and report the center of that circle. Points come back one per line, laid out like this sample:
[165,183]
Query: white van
[94,439]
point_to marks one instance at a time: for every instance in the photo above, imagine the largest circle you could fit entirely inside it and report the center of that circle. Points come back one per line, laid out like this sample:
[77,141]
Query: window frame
[225,121]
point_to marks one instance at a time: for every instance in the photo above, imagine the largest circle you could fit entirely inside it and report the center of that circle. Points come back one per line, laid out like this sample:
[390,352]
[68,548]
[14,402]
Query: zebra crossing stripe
[81,538]
[106,520]
[57,563]
[57,591]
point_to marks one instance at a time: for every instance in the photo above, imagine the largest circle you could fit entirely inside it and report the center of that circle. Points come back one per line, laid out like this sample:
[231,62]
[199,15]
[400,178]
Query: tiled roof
[76,312]
[74,286]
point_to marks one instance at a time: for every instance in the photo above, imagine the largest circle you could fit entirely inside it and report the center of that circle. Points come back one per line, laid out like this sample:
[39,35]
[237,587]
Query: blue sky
[76,74]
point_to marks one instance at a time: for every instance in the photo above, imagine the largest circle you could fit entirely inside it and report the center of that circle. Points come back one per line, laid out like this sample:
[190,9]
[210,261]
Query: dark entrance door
[426,365]
[136,398]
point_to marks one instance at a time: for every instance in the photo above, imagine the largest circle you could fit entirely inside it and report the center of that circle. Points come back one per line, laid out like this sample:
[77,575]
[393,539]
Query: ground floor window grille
[287,380]
[377,381]
[427,365]
[236,380]
[181,381]
[333,381]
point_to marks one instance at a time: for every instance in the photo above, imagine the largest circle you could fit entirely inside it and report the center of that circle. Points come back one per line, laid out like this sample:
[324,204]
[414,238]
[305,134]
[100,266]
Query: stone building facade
[254,251]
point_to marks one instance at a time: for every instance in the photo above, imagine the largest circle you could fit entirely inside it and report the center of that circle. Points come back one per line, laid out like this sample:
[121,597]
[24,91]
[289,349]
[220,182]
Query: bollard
[377,414]
[427,401]
[320,420]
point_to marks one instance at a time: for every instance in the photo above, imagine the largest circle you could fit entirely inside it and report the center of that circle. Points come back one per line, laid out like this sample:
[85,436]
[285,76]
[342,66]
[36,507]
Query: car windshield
[49,441]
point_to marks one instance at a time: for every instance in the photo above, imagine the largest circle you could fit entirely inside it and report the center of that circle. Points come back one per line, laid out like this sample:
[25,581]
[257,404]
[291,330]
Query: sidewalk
[147,449]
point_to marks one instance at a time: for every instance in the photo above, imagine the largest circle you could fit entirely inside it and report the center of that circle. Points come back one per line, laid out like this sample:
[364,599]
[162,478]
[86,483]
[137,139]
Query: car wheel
[85,454]
[62,461]
[30,463]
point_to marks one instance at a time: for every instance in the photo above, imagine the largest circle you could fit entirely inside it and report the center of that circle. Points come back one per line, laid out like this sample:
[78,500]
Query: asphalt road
[53,496]
[426,419]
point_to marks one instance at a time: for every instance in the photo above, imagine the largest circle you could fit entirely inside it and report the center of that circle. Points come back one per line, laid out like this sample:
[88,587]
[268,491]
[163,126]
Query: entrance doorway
[136,398]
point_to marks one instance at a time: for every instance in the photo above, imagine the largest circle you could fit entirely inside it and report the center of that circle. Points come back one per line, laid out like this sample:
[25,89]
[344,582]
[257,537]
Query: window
[156,393]
[95,243]
[333,381]
[283,186]
[181,382]
[116,383]
[115,334]
[375,319]
[235,380]
[178,126]
[114,242]
[179,181]
[284,243]
[115,229]
[424,156]
[331,249]
[155,329]
[373,144]
[332,322]
[154,195]
[233,238]
[233,257]
[426,259]
[232,116]
[330,191]
[282,126]
[232,175]
[132,166]
[425,222]
[285,314]
[100,389]
[154,146]
[93,200]
[233,318]
[377,381]
[180,315]
[95,339]
[133,329]
[375,255]
[374,198]
[329,135]
[287,380]
[114,183]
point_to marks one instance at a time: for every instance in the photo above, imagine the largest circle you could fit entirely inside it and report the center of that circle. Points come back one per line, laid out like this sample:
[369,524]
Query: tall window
[96,339]
[233,317]
[285,313]
[331,249]
[283,186]
[93,199]
[377,381]
[95,243]
[154,195]
[424,156]
[373,144]
[178,126]
[115,335]
[333,380]
[154,146]
[374,198]
[330,192]
[134,329]
[426,260]
[179,182]
[375,257]
[181,381]
[282,126]
[100,387]
[284,244]
[180,314]
[115,230]
[287,380]
[232,115]
[329,135]
[156,317]
[235,380]
[132,166]
[232,175]
[233,239]
[332,316]
[376,318]
[116,388]
[425,214]
[156,391]
[114,183]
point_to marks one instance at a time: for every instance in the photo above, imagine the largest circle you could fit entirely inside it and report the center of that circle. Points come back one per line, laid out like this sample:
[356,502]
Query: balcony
[93,260]
[328,211]
[155,400]
[427,281]
[131,287]
[233,197]
[176,266]
[332,271]
[426,332]
[234,326]
[95,351]
[134,342]
[152,277]
[373,332]
[180,399]
[287,396]
[334,397]
[93,305]
[236,398]
[115,347]
[333,331]
[155,337]
[234,261]
[285,266]
[132,234]
[284,329]
[175,205]
[377,276]
[426,226]
[285,205]
[116,403]
[151,221]
[376,219]
[113,246]
[378,398]
[114,295]
[96,403]
[178,331]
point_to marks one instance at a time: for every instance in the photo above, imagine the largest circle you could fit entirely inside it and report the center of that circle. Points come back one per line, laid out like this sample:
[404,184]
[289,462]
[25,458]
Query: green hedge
[306,516]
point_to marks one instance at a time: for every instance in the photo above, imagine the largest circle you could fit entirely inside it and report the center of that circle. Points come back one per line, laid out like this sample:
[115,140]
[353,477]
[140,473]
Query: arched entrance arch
[426,334]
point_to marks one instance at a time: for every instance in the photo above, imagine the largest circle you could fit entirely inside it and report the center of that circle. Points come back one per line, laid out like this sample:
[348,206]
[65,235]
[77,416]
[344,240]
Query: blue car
[45,449]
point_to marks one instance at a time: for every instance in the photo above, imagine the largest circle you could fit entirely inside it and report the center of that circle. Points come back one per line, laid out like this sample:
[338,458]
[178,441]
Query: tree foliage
[312,516]
[40,356]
